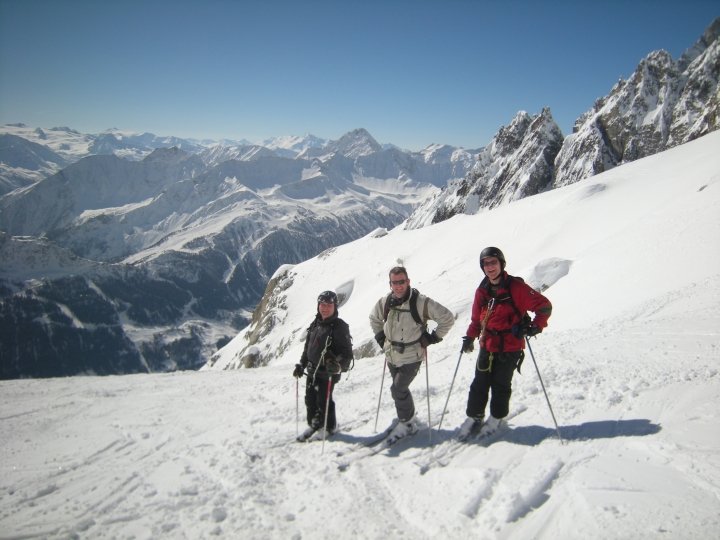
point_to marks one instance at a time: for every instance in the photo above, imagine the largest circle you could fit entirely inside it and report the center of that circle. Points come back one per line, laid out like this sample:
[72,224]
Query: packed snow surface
[630,260]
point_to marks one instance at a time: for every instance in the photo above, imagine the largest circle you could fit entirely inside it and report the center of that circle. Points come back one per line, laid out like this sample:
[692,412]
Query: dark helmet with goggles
[492,252]
[327,297]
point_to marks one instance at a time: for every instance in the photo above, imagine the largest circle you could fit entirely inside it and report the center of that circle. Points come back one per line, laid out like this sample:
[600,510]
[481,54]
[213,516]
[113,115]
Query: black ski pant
[316,394]
[493,375]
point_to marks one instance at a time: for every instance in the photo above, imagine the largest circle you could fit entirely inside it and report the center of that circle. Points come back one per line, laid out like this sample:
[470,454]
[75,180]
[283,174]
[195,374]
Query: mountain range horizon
[171,244]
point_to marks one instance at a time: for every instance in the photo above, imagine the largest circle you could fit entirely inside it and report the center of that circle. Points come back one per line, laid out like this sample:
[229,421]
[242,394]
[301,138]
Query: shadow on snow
[602,429]
[522,435]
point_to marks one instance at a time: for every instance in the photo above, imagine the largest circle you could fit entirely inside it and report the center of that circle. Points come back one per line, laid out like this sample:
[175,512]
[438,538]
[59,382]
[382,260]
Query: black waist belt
[500,333]
[399,346]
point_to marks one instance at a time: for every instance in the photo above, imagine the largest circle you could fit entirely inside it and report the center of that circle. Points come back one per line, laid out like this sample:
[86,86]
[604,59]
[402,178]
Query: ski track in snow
[152,471]
[214,453]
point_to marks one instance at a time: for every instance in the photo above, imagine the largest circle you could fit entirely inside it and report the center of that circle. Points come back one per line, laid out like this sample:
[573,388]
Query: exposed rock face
[697,111]
[266,316]
[517,163]
[664,103]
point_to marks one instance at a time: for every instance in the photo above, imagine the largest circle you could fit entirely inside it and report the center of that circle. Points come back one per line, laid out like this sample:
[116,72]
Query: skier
[402,335]
[327,353]
[500,320]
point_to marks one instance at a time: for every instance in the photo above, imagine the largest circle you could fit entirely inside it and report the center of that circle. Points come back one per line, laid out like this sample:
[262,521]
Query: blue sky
[412,72]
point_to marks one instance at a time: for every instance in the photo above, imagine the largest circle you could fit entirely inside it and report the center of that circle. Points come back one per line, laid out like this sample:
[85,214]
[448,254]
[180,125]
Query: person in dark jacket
[327,353]
[500,322]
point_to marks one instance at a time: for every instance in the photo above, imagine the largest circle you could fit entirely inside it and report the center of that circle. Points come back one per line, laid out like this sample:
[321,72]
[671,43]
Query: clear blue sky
[412,72]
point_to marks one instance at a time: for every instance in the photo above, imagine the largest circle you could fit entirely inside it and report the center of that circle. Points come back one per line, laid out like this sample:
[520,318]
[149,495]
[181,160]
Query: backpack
[509,299]
[347,364]
[524,317]
[414,293]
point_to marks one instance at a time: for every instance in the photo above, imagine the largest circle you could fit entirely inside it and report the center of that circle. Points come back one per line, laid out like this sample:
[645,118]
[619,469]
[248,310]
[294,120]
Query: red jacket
[498,336]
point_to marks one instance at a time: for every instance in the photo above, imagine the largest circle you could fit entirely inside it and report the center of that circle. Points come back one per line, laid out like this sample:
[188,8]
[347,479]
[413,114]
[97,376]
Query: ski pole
[452,383]
[327,409]
[527,340]
[382,380]
[297,407]
[427,385]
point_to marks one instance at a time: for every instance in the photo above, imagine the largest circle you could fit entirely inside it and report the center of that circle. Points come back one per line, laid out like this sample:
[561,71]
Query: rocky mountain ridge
[517,163]
[172,252]
[664,103]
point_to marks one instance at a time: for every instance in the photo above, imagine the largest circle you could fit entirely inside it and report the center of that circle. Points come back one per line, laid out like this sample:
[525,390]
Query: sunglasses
[398,282]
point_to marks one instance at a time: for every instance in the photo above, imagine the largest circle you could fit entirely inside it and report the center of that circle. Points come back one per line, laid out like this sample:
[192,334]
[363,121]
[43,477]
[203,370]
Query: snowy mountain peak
[509,137]
[518,162]
[710,35]
[202,231]
[664,103]
[292,145]
[65,129]
[354,144]
[167,155]
[23,162]
[435,153]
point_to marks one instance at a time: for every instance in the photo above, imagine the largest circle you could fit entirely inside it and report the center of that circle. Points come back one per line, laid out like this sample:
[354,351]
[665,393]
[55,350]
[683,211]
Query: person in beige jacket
[398,321]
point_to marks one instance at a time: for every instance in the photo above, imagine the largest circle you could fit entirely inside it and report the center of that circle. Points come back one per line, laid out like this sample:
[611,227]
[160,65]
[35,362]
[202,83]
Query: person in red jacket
[500,322]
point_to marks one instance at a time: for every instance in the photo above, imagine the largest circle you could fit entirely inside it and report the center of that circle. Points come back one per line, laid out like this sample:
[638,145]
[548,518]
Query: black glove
[298,371]
[380,338]
[532,330]
[429,339]
[525,328]
[468,345]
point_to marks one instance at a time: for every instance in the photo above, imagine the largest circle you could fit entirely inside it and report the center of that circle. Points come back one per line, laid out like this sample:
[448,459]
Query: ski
[488,435]
[474,430]
[443,454]
[480,435]
[392,439]
[311,434]
[315,435]
[345,460]
[376,445]
[372,442]
[307,435]
[379,438]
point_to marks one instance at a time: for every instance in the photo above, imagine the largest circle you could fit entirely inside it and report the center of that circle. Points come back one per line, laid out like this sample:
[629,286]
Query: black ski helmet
[492,252]
[328,297]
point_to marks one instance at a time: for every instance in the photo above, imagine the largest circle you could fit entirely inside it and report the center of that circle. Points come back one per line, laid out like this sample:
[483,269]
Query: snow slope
[631,261]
